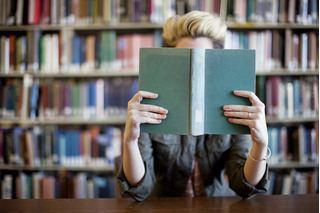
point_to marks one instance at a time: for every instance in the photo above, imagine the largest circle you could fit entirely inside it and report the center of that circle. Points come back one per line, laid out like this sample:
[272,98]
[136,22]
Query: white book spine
[197,91]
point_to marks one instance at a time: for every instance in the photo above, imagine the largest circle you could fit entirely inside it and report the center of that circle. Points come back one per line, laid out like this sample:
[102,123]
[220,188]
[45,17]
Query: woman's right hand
[138,113]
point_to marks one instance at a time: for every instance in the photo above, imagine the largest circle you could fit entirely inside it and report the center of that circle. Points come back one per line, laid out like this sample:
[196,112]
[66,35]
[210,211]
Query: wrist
[259,152]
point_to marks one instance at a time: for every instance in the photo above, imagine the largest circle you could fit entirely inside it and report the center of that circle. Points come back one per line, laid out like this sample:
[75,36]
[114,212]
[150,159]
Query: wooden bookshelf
[287,72]
[93,74]
[112,120]
[269,26]
[294,120]
[135,73]
[294,165]
[125,27]
[152,26]
[56,168]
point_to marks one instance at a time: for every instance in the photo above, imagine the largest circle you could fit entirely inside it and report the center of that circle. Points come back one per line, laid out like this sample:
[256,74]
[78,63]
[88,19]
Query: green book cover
[194,85]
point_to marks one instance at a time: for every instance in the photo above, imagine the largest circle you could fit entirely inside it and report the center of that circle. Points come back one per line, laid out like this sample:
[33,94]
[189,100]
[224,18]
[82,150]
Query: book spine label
[197,91]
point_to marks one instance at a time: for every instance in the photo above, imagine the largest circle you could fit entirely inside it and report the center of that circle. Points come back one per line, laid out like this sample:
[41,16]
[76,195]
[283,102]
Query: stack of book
[294,144]
[39,185]
[291,97]
[95,147]
[49,99]
[241,11]
[295,182]
[83,12]
[275,49]
[103,51]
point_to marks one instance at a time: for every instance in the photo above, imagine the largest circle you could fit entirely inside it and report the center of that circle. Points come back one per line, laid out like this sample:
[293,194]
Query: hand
[141,113]
[252,116]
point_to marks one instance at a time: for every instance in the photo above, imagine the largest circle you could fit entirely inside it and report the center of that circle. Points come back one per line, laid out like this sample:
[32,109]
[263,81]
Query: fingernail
[226,107]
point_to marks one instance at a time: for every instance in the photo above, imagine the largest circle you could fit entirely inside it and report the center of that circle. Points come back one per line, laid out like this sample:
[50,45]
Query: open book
[194,85]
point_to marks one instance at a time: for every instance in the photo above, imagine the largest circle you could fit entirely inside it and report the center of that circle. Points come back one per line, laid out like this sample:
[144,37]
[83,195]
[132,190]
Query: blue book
[55,147]
[314,11]
[77,144]
[62,147]
[68,147]
[297,98]
[34,96]
[92,99]
[36,147]
[82,49]
[17,152]
[76,50]
[106,94]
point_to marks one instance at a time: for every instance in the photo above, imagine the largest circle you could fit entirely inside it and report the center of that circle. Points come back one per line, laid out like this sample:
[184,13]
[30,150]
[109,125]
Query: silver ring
[249,115]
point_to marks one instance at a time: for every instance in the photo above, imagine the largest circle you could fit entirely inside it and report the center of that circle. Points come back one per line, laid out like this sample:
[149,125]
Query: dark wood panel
[259,204]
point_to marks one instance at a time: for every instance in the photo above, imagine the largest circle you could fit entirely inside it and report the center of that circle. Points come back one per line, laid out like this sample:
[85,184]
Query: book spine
[197,85]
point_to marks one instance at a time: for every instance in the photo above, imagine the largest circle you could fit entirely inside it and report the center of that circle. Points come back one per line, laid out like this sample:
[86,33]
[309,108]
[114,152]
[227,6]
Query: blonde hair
[194,24]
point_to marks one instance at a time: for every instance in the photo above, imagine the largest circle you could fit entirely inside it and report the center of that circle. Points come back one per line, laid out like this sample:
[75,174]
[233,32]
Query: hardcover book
[194,85]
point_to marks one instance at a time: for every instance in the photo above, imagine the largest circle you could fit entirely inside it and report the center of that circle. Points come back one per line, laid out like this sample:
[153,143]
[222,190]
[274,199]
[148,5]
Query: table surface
[260,204]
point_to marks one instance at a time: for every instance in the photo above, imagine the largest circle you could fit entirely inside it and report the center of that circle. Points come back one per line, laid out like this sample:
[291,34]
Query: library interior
[69,67]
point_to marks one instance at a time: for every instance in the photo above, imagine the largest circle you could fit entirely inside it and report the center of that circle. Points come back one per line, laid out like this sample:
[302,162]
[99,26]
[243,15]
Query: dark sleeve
[241,145]
[145,186]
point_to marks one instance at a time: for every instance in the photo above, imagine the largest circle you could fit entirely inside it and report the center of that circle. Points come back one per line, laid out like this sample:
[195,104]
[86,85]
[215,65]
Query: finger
[144,94]
[152,108]
[247,94]
[244,115]
[152,115]
[241,108]
[244,122]
[141,119]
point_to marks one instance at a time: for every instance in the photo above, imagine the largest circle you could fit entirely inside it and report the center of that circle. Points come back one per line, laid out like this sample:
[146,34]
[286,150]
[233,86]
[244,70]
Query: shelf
[152,26]
[119,120]
[135,73]
[267,26]
[85,27]
[286,72]
[104,169]
[96,74]
[294,165]
[271,120]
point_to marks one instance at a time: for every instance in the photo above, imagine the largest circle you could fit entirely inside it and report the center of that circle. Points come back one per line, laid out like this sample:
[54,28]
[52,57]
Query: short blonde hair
[194,24]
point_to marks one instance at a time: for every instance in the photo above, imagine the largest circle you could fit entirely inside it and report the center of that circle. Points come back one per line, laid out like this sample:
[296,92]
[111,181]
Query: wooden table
[257,204]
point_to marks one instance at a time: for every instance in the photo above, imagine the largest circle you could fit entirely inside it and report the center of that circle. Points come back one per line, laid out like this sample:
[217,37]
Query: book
[194,85]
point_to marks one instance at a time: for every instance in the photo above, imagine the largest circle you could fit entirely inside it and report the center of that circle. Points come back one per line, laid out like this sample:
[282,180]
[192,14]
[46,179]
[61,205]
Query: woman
[174,165]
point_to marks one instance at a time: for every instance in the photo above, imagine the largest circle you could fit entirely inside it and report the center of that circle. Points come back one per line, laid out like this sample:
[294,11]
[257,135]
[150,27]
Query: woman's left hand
[252,116]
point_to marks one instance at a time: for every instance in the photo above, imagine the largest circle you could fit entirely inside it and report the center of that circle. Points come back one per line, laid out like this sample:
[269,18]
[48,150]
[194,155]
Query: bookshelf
[128,23]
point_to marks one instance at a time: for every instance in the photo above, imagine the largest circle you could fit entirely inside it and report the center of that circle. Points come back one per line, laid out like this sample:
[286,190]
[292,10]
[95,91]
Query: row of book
[69,52]
[48,146]
[70,12]
[295,182]
[276,49]
[83,99]
[108,51]
[289,97]
[260,11]
[294,143]
[39,185]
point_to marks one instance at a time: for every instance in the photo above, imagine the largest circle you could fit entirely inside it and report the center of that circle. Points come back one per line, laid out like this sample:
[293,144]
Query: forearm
[133,166]
[254,170]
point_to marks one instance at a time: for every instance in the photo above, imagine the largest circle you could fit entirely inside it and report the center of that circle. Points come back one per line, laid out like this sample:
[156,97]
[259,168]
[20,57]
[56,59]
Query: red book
[47,188]
[45,12]
[12,51]
[37,11]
